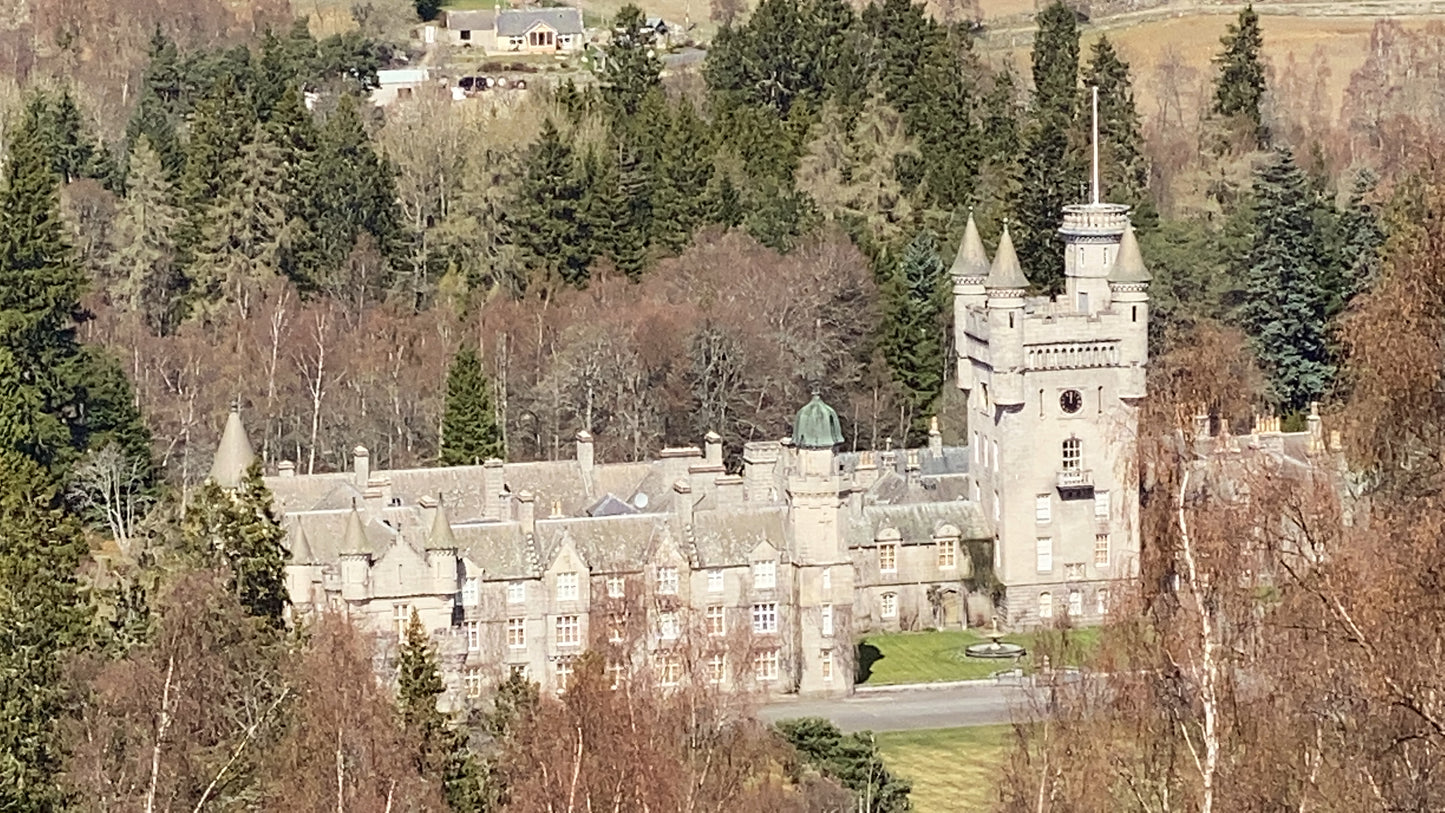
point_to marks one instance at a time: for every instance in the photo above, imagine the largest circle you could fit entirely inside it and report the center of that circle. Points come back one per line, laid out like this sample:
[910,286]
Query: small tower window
[1073,454]
[1083,302]
[1134,313]
[1010,320]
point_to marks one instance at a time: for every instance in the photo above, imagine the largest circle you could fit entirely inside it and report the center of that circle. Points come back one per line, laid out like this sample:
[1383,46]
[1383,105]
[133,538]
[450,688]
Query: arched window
[1046,605]
[1076,603]
[1073,454]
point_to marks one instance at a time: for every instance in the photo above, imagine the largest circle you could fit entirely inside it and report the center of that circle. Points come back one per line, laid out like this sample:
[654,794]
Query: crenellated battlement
[1105,221]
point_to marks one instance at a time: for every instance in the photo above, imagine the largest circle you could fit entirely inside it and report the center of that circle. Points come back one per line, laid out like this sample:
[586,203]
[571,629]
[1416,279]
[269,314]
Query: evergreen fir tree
[240,530]
[724,201]
[1239,87]
[441,749]
[550,210]
[628,249]
[246,231]
[1124,174]
[1361,235]
[40,288]
[219,127]
[685,168]
[145,261]
[912,328]
[71,144]
[1285,312]
[852,759]
[632,68]
[427,10]
[157,113]
[1051,171]
[44,617]
[470,432]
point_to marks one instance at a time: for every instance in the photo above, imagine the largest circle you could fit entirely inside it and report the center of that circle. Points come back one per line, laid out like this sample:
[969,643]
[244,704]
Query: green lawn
[930,657]
[953,770]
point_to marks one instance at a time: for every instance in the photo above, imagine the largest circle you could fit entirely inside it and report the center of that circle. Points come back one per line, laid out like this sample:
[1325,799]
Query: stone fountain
[994,649]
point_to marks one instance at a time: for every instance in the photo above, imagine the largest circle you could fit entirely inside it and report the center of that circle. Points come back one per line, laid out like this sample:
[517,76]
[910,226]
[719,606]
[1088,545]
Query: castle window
[616,587]
[765,575]
[516,633]
[997,509]
[516,592]
[1043,509]
[566,586]
[668,628]
[1076,603]
[1134,314]
[947,554]
[888,558]
[716,668]
[471,595]
[888,605]
[825,666]
[1046,605]
[1010,319]
[1102,600]
[473,682]
[1083,302]
[1044,555]
[667,581]
[716,620]
[1101,550]
[765,665]
[827,578]
[615,673]
[714,581]
[827,626]
[563,671]
[1101,505]
[401,616]
[474,636]
[995,456]
[569,630]
[765,618]
[616,626]
[1073,454]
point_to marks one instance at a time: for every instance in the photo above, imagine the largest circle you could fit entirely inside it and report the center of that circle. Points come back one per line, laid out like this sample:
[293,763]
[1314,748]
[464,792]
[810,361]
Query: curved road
[947,706]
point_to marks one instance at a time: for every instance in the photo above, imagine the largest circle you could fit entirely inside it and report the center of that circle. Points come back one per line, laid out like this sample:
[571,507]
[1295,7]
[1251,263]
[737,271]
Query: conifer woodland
[198,210]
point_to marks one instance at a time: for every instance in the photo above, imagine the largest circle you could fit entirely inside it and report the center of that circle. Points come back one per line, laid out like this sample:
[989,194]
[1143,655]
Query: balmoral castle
[525,565]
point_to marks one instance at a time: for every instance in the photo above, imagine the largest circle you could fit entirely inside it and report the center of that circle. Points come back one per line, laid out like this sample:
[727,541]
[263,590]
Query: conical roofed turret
[972,260]
[1129,266]
[441,536]
[354,539]
[234,454]
[1006,273]
[301,553]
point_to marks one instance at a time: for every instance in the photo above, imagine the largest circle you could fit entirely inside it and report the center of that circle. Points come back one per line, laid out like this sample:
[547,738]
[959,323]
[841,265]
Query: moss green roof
[816,426]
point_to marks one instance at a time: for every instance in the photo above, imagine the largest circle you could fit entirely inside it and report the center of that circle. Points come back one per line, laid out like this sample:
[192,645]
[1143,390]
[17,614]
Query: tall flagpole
[1096,144]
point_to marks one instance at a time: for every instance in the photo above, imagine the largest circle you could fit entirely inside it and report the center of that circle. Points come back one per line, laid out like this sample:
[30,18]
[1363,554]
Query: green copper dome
[816,426]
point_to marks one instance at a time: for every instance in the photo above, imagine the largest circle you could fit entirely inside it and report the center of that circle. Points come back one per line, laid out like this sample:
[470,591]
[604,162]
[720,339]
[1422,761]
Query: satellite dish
[640,501]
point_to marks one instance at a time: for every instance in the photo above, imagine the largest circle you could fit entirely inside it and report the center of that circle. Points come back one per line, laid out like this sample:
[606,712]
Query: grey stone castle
[767,576]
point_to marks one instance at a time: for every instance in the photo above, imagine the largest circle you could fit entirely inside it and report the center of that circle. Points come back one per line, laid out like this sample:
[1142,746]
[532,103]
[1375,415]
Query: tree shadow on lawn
[864,657]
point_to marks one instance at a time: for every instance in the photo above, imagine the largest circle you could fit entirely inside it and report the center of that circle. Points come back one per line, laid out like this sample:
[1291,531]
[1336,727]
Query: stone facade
[767,576]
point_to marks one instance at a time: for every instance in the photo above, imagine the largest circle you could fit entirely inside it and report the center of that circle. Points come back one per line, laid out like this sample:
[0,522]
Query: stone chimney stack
[527,512]
[286,468]
[493,483]
[865,474]
[760,464]
[713,454]
[586,454]
[682,502]
[361,465]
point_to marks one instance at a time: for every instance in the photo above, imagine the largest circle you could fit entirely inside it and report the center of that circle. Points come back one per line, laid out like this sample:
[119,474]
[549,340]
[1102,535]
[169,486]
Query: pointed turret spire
[234,454]
[971,260]
[354,538]
[1129,266]
[301,553]
[441,535]
[1006,273]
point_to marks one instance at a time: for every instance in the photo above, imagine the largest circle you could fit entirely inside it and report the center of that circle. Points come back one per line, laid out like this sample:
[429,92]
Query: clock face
[1071,401]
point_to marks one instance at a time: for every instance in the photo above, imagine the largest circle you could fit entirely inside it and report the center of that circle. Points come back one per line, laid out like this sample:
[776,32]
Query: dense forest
[650,259]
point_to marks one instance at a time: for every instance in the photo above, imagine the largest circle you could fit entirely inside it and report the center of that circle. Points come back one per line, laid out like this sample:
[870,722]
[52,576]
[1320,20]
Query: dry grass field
[953,770]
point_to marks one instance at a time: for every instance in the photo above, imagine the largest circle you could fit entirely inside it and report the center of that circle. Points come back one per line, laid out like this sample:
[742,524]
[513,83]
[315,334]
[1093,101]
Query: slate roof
[479,20]
[916,522]
[726,537]
[516,22]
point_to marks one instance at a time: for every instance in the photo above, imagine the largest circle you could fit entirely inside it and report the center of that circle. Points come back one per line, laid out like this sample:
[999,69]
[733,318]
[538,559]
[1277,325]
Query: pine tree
[427,10]
[71,144]
[40,288]
[632,68]
[1285,312]
[470,432]
[145,262]
[550,210]
[852,759]
[43,618]
[628,248]
[1124,174]
[442,751]
[912,328]
[1361,234]
[1239,87]
[239,530]
[1051,172]
[156,114]
[245,232]
[220,125]
[685,168]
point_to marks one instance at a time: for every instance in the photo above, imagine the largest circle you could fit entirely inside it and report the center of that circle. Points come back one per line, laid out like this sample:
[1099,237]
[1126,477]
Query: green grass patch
[931,657]
[952,769]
